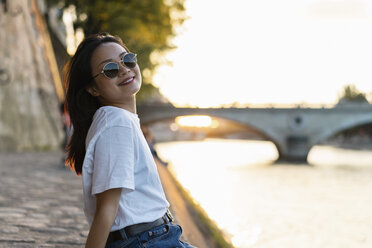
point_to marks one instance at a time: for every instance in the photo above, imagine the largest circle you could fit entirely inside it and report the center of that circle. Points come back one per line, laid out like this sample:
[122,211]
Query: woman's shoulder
[105,118]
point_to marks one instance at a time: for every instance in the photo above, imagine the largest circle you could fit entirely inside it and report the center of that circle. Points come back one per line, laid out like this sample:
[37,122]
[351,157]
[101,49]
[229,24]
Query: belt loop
[169,216]
[165,219]
[123,234]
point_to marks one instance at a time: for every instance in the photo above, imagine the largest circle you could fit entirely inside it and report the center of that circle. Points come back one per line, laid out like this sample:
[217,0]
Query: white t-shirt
[118,156]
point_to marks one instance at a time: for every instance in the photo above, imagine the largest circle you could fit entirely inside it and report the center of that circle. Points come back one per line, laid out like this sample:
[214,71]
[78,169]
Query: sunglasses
[111,69]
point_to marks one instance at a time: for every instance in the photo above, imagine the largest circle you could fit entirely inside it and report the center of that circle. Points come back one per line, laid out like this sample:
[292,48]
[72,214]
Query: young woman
[124,201]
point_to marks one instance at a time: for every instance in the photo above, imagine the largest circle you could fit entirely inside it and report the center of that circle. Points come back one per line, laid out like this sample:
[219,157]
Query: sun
[201,121]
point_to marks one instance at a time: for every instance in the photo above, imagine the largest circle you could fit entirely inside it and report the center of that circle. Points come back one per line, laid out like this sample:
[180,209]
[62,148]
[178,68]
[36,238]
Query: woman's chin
[137,87]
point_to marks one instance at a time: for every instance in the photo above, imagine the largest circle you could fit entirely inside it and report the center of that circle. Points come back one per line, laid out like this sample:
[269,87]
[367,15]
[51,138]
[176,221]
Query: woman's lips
[127,81]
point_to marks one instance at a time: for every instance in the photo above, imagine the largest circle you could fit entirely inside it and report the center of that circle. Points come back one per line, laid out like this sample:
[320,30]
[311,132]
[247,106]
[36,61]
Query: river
[260,204]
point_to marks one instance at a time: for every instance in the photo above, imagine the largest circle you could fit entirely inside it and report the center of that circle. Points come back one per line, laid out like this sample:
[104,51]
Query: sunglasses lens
[130,60]
[111,70]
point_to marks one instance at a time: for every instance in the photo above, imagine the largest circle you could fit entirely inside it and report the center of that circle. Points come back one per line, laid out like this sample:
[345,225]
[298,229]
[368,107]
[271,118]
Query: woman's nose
[123,69]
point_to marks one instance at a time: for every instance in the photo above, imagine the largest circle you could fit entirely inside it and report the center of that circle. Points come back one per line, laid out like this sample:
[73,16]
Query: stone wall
[29,103]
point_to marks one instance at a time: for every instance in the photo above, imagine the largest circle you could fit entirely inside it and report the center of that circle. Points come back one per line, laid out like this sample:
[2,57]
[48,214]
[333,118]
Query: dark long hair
[81,105]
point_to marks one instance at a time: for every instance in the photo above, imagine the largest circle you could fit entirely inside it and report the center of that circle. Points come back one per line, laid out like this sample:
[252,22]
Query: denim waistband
[129,231]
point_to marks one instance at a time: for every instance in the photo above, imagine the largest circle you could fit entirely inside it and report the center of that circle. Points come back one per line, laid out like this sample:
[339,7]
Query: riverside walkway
[41,203]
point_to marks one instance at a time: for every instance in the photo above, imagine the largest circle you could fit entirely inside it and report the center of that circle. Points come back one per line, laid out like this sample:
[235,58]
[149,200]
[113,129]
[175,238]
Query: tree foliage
[352,94]
[146,26]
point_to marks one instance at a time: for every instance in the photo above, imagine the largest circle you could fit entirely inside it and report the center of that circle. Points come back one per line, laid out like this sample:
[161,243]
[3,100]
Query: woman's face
[120,90]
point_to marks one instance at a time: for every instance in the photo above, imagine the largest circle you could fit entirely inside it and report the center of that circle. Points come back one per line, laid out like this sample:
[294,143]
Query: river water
[260,204]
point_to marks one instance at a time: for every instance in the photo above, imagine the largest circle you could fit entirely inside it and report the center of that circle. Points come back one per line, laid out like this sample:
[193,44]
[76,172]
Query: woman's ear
[92,90]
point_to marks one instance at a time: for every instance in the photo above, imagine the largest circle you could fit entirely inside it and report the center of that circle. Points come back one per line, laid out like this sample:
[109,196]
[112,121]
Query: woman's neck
[128,105]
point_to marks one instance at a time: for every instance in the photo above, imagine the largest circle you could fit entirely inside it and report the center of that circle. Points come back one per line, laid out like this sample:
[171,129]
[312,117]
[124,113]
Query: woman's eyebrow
[107,60]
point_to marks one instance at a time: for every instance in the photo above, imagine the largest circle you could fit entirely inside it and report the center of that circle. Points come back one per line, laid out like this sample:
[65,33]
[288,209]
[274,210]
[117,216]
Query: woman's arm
[106,209]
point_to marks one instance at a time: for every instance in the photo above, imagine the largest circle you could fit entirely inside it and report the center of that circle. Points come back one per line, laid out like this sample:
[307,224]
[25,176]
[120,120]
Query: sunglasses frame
[121,61]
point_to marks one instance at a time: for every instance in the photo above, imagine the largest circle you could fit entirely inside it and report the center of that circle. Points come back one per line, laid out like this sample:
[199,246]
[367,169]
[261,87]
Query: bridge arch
[270,135]
[342,126]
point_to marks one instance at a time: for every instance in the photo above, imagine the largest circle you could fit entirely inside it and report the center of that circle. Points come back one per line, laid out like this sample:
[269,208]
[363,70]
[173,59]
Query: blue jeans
[163,236]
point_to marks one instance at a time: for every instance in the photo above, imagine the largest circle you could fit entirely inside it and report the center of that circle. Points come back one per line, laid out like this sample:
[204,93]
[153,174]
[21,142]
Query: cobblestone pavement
[40,202]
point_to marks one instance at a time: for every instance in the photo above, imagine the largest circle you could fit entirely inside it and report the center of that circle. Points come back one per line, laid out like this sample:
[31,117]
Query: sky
[269,52]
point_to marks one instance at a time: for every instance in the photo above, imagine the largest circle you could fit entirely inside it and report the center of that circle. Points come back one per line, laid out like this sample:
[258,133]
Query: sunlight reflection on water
[259,204]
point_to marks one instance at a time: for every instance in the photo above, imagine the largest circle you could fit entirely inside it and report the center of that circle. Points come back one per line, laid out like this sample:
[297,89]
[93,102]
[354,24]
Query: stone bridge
[293,130]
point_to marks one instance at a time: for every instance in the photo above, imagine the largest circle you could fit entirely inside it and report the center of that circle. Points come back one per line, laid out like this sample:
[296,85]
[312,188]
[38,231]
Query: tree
[351,94]
[146,27]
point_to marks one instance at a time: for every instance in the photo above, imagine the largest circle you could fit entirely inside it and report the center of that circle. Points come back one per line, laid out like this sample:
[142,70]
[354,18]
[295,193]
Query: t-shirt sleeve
[114,160]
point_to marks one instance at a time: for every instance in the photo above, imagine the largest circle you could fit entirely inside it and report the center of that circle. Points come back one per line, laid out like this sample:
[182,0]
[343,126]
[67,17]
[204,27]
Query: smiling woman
[124,201]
